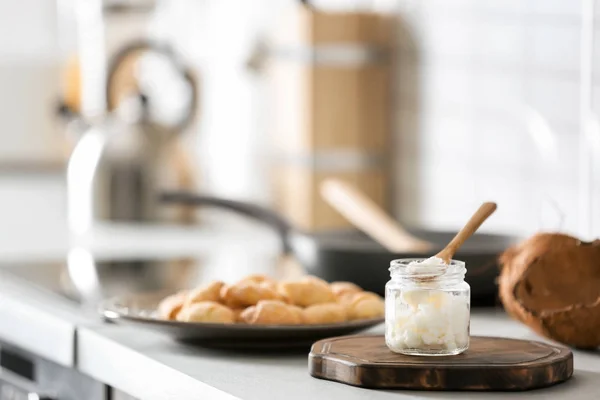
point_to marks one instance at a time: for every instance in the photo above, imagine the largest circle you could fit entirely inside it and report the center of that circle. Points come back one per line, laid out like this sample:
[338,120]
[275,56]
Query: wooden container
[330,76]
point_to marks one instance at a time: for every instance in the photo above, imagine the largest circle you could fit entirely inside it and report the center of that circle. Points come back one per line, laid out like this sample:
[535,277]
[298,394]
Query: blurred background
[427,107]
[430,107]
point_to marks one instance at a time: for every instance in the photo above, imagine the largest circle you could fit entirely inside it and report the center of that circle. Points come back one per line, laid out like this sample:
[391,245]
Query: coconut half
[551,282]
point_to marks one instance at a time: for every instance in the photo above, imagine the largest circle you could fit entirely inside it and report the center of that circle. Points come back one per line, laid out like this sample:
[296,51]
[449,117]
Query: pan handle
[262,214]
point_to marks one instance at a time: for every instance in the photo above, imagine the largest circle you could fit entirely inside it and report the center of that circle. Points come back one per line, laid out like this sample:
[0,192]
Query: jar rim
[455,269]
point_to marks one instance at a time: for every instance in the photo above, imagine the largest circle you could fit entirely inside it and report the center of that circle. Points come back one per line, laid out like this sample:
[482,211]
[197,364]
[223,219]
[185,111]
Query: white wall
[489,109]
[29,80]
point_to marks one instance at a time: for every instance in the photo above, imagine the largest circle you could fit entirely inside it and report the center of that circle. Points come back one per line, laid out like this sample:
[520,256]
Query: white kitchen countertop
[151,366]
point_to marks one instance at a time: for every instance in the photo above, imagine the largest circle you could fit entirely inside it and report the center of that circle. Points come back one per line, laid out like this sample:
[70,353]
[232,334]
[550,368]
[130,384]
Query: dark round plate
[139,309]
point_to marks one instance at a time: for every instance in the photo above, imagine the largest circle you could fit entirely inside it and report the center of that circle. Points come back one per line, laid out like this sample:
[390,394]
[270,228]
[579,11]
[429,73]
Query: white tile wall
[554,46]
[500,41]
[490,109]
[556,99]
[565,10]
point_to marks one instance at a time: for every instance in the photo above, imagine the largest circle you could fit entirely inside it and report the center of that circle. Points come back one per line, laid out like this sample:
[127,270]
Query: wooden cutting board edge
[354,371]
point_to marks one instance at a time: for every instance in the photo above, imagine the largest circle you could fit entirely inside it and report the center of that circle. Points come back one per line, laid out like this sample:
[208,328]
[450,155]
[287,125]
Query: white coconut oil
[427,307]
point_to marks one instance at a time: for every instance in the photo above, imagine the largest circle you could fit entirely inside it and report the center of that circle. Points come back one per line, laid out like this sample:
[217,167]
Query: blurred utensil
[366,215]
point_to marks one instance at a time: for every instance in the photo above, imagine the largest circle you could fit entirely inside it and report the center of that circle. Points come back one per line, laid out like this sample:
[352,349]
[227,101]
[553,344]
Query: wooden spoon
[365,214]
[484,211]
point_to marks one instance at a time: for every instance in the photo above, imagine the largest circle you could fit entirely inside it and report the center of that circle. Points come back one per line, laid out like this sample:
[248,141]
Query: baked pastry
[170,306]
[272,312]
[260,279]
[237,313]
[306,291]
[363,305]
[206,311]
[208,292]
[327,313]
[244,294]
[258,299]
[312,278]
[342,288]
[346,298]
[257,278]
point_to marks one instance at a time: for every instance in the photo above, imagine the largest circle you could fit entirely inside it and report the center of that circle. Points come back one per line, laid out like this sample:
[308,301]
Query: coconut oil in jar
[427,307]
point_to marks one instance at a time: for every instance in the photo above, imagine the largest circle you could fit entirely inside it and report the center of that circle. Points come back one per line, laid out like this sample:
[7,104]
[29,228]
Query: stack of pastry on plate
[258,299]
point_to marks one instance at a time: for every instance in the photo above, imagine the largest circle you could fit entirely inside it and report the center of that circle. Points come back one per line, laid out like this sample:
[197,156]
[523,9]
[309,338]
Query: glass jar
[427,310]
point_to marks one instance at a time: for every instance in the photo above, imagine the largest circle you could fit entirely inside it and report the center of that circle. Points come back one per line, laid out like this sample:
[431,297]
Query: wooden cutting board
[490,364]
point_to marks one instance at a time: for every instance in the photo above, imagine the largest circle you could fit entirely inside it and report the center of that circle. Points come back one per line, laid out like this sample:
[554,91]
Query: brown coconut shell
[551,282]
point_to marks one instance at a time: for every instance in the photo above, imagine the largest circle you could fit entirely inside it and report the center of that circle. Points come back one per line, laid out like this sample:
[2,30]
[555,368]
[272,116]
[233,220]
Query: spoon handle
[484,211]
[366,215]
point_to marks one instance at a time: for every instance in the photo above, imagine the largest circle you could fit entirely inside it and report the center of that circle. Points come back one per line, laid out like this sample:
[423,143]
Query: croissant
[363,305]
[326,313]
[237,314]
[171,305]
[260,279]
[343,288]
[208,292]
[206,311]
[307,291]
[256,278]
[244,294]
[272,312]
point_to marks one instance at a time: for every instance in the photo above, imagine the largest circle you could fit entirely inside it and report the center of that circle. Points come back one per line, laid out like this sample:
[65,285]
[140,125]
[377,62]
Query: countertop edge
[91,348]
[37,322]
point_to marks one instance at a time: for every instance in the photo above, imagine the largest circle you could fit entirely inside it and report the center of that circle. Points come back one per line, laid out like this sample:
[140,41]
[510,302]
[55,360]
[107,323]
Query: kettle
[120,163]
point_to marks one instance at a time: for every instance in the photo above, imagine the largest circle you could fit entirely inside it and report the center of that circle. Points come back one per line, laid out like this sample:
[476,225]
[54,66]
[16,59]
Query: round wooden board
[490,363]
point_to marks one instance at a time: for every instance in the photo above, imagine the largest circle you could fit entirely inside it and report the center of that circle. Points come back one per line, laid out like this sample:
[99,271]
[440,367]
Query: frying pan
[352,256]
